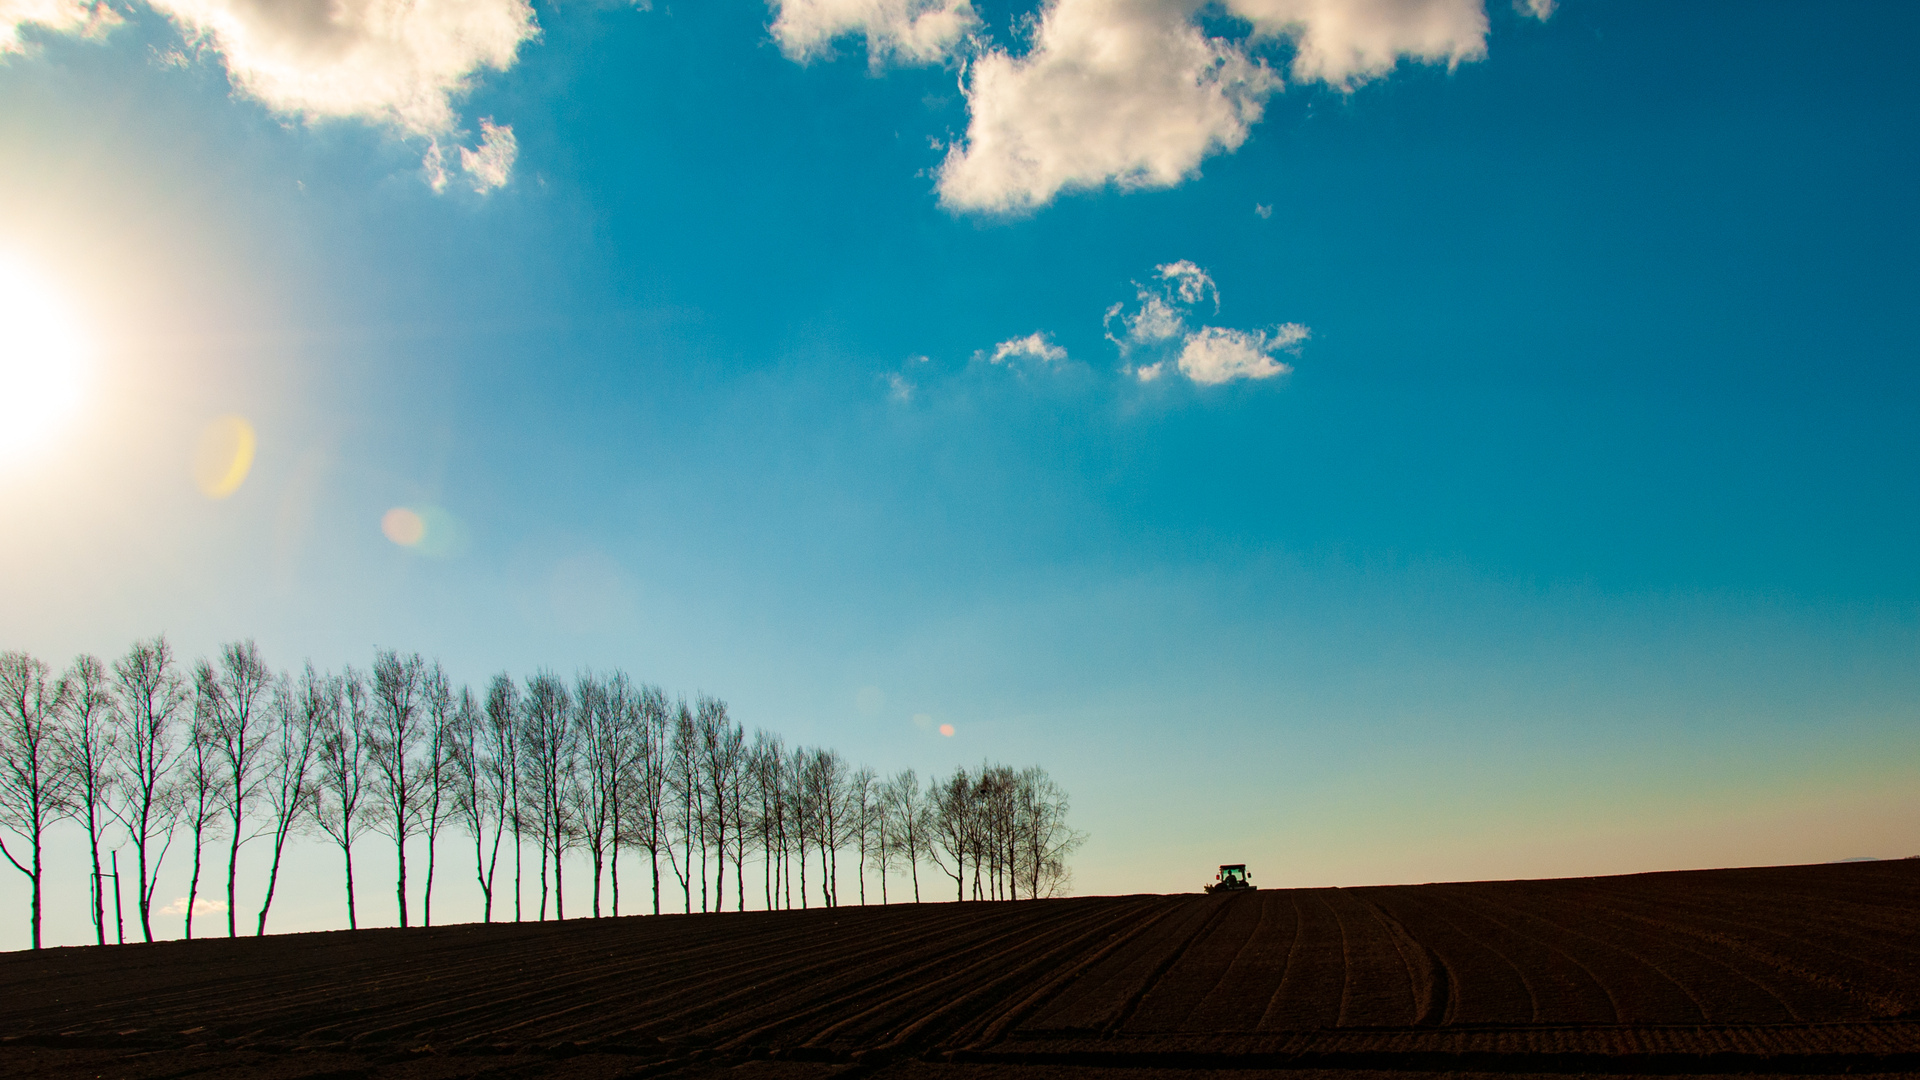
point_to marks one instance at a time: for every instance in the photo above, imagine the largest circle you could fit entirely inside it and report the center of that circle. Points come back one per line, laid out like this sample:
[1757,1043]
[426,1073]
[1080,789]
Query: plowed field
[1808,970]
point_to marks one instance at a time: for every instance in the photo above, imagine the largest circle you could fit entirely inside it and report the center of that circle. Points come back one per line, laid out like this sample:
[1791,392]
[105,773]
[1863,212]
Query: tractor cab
[1231,878]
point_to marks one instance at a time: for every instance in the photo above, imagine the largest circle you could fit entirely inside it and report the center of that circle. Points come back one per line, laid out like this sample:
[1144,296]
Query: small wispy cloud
[899,388]
[1035,346]
[1154,337]
[201,906]
[491,164]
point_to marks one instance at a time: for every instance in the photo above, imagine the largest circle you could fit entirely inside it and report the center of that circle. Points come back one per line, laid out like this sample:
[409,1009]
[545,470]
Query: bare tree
[302,715]
[231,696]
[474,788]
[1042,837]
[201,799]
[152,695]
[722,749]
[688,812]
[548,734]
[502,741]
[398,685]
[860,807]
[648,789]
[345,753]
[905,815]
[436,769]
[86,743]
[764,761]
[952,832]
[34,789]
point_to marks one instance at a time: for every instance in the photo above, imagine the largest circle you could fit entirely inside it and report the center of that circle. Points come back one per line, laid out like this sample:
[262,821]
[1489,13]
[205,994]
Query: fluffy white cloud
[1133,93]
[920,31]
[1034,346]
[1342,42]
[87,18]
[1212,355]
[396,62]
[1121,91]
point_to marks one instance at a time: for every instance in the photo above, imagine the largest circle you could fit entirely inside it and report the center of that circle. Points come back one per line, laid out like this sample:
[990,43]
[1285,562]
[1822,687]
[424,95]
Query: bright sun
[42,360]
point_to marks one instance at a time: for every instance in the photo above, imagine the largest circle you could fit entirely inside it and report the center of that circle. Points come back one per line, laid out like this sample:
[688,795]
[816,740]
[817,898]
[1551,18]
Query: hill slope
[1798,969]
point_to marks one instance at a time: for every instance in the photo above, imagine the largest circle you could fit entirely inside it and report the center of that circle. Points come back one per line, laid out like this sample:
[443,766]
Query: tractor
[1232,878]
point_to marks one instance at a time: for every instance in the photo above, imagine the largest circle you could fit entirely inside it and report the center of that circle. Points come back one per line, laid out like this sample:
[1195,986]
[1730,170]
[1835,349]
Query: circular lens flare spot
[403,526]
[223,457]
[947,730]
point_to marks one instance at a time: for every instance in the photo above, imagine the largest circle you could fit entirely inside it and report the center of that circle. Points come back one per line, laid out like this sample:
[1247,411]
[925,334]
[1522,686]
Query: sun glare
[42,361]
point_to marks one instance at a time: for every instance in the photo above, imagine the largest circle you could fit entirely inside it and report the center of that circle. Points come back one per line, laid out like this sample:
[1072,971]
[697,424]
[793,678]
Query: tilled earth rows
[1806,970]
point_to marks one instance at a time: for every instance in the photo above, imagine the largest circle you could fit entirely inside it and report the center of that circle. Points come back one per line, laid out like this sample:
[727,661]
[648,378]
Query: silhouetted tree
[648,788]
[34,789]
[905,813]
[399,683]
[152,696]
[231,702]
[86,742]
[548,738]
[302,714]
[345,753]
[479,797]
[201,798]
[436,767]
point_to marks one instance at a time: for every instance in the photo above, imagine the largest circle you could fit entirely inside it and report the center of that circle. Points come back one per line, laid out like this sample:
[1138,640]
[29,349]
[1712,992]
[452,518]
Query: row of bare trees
[226,752]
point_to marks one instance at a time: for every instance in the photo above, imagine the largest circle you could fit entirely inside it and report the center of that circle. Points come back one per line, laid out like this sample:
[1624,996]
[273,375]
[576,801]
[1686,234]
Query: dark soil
[1810,970]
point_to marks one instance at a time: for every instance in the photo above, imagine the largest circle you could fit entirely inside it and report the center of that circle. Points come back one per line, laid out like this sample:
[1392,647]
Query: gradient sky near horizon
[1373,440]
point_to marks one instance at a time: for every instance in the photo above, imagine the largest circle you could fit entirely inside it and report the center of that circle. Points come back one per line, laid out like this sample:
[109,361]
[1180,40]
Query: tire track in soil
[1197,972]
[1377,991]
[1427,974]
[1221,906]
[886,1013]
[1762,1004]
[1236,1002]
[1092,1003]
[1649,995]
[1485,987]
[1567,991]
[1309,992]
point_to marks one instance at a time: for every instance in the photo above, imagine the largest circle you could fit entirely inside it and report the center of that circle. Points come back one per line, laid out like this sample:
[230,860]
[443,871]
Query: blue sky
[1523,485]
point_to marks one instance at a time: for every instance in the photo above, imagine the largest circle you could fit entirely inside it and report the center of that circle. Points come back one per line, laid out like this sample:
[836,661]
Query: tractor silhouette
[1232,878]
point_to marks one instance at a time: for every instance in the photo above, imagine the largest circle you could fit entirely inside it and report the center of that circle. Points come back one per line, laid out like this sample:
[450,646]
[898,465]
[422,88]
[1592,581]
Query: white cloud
[1121,91]
[201,906]
[1212,355]
[1157,341]
[1133,93]
[1191,284]
[1344,42]
[918,31]
[1539,9]
[394,62]
[86,18]
[899,388]
[1034,346]
[492,163]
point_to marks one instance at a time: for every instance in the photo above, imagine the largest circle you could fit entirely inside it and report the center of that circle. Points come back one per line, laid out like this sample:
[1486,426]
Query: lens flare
[403,526]
[947,730]
[224,456]
[43,360]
